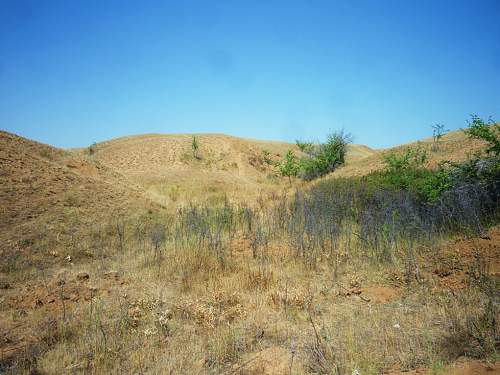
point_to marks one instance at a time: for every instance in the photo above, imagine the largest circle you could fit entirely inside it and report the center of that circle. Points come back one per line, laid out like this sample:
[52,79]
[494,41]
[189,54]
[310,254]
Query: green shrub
[325,158]
[91,150]
[407,171]
[289,167]
[488,132]
[438,131]
[266,156]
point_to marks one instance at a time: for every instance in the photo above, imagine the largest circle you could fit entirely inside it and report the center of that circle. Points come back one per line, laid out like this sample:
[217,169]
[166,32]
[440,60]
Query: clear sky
[74,72]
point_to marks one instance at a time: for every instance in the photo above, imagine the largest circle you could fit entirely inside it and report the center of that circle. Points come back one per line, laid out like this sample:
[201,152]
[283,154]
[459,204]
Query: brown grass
[106,293]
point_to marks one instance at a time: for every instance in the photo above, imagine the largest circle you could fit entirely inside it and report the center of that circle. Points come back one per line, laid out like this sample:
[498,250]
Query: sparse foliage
[289,167]
[195,146]
[486,131]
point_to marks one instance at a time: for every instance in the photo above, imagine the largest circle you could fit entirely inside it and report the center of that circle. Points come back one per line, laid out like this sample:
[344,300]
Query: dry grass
[189,311]
[222,291]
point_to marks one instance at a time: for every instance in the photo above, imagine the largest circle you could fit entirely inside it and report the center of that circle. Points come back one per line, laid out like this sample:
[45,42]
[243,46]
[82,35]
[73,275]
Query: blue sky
[74,72]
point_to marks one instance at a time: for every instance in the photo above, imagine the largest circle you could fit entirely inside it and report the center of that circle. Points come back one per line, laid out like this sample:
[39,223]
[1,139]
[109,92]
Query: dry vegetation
[249,279]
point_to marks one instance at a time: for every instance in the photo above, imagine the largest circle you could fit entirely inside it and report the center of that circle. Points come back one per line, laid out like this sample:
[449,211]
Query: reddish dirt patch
[453,265]
[28,311]
[380,294]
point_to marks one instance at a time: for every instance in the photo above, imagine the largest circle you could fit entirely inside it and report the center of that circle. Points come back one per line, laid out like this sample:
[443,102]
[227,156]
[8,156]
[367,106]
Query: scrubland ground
[332,280]
[226,290]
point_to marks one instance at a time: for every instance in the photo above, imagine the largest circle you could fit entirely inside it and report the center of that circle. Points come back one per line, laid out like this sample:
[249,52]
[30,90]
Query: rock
[82,276]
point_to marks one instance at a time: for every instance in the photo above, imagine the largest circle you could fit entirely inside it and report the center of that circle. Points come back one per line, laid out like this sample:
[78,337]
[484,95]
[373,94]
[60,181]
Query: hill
[45,190]
[165,166]
[454,146]
[98,278]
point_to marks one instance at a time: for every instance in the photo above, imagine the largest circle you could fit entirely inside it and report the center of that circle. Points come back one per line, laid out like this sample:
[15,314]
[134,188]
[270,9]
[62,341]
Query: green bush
[325,158]
[407,171]
[488,132]
[289,167]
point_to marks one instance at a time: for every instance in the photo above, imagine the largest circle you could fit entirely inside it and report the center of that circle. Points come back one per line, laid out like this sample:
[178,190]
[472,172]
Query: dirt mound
[43,189]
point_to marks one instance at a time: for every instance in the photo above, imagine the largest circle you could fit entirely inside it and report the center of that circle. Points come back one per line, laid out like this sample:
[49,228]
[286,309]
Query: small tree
[488,132]
[289,167]
[438,131]
[195,147]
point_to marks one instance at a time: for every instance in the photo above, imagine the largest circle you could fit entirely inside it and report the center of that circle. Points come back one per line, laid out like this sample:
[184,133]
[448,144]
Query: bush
[325,158]
[488,132]
[407,171]
[195,146]
[289,167]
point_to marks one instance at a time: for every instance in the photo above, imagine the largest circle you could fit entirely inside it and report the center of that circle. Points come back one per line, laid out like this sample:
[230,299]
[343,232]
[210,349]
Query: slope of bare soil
[44,189]
[167,168]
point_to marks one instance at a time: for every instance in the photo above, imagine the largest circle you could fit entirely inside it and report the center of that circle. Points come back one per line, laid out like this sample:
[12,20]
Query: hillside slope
[44,189]
[166,167]
[454,146]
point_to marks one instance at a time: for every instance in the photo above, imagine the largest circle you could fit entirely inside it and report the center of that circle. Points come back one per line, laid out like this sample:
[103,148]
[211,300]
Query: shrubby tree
[488,132]
[438,131]
[325,158]
[289,167]
[321,159]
